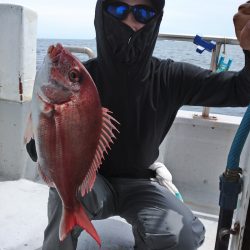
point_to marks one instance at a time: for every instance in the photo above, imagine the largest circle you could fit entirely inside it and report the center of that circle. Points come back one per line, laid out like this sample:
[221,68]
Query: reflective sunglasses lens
[143,14]
[118,11]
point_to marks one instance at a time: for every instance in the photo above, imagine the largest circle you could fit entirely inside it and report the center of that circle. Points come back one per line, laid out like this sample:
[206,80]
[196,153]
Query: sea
[176,50]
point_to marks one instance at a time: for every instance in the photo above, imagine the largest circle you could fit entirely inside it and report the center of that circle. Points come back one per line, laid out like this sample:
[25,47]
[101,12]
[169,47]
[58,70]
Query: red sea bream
[71,131]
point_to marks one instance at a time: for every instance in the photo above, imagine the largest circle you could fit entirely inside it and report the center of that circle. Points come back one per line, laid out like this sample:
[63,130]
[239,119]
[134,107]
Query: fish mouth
[54,52]
[55,93]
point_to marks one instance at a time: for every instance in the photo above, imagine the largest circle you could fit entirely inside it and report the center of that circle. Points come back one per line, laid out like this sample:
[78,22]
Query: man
[144,94]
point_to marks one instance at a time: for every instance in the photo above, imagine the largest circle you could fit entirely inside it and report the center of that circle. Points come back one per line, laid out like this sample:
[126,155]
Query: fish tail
[71,218]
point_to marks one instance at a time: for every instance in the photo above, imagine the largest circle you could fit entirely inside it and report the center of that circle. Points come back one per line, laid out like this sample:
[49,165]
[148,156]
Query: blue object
[178,196]
[233,159]
[222,65]
[229,191]
[204,45]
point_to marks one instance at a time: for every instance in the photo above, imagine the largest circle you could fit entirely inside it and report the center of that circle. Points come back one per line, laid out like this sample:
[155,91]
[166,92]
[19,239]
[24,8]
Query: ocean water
[176,50]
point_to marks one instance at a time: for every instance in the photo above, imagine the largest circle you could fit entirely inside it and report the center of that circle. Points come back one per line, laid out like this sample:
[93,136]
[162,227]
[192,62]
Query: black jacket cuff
[31,149]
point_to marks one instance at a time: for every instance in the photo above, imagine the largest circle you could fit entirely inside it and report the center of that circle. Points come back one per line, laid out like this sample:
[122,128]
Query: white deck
[23,219]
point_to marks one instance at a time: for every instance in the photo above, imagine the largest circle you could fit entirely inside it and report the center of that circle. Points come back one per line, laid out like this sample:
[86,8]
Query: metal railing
[83,50]
[190,38]
[215,53]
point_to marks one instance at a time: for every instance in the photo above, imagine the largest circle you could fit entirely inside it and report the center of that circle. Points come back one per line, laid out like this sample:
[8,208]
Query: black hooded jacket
[144,93]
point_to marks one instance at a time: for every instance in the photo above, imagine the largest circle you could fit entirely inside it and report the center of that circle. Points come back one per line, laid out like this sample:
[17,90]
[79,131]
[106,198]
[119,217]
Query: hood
[121,48]
[159,4]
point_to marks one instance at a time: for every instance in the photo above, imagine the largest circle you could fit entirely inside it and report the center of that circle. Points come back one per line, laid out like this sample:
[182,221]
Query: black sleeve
[192,85]
[31,149]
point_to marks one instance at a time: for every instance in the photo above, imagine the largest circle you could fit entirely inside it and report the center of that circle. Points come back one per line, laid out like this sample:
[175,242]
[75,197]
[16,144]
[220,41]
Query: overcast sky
[74,19]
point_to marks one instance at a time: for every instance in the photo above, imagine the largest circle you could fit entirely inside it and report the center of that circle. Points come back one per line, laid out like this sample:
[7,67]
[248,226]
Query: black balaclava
[121,48]
[124,77]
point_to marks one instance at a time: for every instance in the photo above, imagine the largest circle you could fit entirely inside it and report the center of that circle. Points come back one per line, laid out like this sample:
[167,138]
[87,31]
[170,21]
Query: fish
[72,133]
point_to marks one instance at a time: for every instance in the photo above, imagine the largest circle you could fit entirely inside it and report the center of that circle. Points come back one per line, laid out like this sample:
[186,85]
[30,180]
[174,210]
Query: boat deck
[23,219]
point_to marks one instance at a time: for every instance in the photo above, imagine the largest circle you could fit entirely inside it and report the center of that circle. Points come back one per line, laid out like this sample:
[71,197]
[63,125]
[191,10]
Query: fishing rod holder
[230,186]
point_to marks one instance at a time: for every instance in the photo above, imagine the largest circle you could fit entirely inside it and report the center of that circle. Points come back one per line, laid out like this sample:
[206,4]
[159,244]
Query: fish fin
[76,216]
[104,144]
[28,133]
[45,177]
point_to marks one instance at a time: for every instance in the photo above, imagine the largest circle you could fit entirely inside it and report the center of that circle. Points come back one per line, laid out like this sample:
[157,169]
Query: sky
[64,19]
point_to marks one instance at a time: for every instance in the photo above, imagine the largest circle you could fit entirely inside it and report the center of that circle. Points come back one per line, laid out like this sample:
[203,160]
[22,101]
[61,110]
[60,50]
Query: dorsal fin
[104,144]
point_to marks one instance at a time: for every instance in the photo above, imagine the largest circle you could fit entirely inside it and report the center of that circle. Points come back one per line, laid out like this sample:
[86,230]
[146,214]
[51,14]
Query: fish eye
[74,75]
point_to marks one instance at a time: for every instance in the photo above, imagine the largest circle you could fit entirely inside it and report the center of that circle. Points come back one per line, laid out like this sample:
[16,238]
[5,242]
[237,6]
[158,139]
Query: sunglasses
[142,13]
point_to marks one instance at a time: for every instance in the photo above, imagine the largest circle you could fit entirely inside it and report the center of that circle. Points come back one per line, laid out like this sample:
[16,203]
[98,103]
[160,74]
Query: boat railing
[190,38]
[84,50]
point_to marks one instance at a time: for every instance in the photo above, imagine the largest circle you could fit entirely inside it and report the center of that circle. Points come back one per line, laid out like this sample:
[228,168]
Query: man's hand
[242,25]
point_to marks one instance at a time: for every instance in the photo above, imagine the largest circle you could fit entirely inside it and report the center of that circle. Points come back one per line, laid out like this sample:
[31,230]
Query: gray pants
[159,220]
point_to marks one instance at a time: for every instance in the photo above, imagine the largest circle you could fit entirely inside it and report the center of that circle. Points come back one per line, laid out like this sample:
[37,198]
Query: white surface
[14,160]
[23,218]
[211,229]
[23,214]
[17,65]
[195,152]
[17,50]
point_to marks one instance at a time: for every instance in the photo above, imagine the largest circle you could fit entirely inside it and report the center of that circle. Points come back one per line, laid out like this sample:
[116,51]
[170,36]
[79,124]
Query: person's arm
[192,85]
